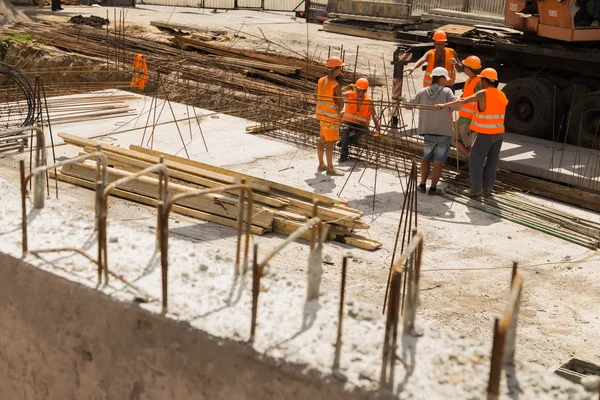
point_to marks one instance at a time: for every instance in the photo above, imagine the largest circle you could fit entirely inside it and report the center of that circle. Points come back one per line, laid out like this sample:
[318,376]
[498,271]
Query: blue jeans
[436,147]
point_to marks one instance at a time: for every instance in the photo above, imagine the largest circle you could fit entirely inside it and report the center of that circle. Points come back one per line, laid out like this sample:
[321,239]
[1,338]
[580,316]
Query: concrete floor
[467,257]
[467,253]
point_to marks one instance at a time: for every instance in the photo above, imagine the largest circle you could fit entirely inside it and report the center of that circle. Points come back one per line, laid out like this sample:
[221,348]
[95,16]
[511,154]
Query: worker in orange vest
[357,116]
[329,107]
[140,71]
[488,122]
[471,65]
[440,56]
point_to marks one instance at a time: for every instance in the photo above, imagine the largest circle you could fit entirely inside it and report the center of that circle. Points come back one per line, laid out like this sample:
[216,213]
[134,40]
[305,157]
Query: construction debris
[278,207]
[93,21]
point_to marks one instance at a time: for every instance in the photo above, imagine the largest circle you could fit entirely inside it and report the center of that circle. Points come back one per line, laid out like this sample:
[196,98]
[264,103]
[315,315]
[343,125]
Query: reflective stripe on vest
[353,114]
[427,79]
[491,120]
[327,110]
[468,109]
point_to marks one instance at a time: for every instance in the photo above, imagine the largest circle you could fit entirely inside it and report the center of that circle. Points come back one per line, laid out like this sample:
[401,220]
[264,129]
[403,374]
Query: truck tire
[584,125]
[559,110]
[530,108]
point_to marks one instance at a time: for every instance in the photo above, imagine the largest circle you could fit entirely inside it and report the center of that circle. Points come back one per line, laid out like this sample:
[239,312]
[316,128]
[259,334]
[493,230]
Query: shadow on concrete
[240,283]
[408,358]
[321,183]
[204,232]
[512,383]
[480,217]
[435,207]
[309,315]
[384,203]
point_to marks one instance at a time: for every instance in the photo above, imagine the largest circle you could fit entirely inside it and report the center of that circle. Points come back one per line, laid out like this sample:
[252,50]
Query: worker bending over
[488,122]
[440,57]
[436,127]
[357,116]
[329,107]
[471,65]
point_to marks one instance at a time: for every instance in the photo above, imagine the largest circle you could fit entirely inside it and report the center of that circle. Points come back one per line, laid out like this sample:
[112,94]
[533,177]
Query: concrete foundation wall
[62,340]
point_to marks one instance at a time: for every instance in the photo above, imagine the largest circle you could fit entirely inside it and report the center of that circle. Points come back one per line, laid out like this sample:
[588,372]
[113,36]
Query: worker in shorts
[436,127]
[330,104]
[357,117]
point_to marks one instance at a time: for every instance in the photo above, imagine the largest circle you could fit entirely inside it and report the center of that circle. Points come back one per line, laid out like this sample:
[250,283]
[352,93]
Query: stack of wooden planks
[277,207]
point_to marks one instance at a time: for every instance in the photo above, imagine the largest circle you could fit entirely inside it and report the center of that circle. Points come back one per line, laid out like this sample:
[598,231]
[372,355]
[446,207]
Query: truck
[548,57]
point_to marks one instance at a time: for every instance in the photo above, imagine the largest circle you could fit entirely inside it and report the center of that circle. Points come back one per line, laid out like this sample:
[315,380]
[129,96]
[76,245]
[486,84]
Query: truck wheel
[584,127]
[530,108]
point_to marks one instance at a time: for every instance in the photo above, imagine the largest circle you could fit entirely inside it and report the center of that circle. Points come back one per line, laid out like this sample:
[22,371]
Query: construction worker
[436,128]
[140,72]
[440,56]
[471,65]
[488,122]
[329,107]
[357,116]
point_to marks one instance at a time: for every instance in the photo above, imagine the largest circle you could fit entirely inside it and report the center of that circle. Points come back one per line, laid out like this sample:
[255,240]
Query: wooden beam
[132,164]
[255,230]
[154,159]
[147,186]
[270,184]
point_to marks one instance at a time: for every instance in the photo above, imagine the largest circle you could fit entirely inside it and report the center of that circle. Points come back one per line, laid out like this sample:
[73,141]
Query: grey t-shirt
[435,122]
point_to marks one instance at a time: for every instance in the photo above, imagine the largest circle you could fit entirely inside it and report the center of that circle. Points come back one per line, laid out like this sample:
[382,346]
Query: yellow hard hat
[334,62]
[472,62]
[489,73]
[362,83]
[439,36]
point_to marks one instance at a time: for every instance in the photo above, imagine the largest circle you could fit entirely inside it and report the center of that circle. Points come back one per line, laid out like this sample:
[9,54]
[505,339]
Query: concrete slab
[225,135]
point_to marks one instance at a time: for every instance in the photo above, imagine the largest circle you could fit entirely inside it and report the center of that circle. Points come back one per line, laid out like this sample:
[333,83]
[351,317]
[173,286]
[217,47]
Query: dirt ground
[468,253]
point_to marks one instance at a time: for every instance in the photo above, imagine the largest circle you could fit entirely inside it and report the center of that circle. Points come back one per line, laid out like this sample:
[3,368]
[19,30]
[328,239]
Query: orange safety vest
[327,110]
[490,121]
[468,109]
[140,72]
[427,79]
[352,114]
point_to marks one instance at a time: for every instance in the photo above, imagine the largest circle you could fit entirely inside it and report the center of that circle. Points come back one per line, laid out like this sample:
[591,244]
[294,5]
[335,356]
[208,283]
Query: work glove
[453,61]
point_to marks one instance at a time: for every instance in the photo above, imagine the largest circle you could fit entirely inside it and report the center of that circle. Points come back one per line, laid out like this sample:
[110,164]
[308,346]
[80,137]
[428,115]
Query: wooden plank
[341,220]
[370,18]
[352,31]
[147,186]
[255,230]
[137,165]
[287,227]
[270,184]
[154,159]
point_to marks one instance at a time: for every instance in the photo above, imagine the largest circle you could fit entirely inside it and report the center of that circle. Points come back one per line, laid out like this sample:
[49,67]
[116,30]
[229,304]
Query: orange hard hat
[334,62]
[472,62]
[439,36]
[362,83]
[489,73]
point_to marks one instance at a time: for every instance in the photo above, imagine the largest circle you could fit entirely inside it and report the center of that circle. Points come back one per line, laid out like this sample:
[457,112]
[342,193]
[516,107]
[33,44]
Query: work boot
[432,191]
[339,143]
[342,159]
[334,172]
[422,188]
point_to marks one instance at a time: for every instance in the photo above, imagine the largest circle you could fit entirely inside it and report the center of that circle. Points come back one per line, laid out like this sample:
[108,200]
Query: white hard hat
[439,71]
